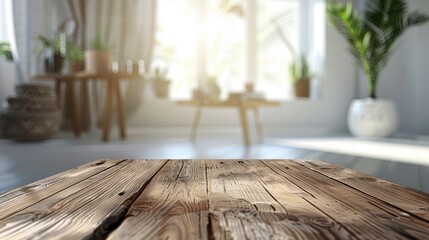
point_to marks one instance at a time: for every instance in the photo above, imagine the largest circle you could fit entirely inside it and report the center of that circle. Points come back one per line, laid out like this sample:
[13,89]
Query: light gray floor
[25,162]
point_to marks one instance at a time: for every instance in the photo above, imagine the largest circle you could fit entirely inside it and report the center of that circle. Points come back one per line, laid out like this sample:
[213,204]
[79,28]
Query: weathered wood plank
[173,206]
[360,214]
[86,209]
[20,198]
[406,199]
[243,207]
[304,219]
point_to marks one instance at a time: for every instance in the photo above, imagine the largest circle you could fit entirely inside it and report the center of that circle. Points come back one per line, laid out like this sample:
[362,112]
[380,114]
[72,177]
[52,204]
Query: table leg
[258,123]
[107,111]
[121,109]
[95,94]
[73,106]
[195,124]
[244,125]
[58,92]
[85,114]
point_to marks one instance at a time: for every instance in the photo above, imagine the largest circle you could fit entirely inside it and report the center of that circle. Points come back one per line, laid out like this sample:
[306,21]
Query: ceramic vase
[373,118]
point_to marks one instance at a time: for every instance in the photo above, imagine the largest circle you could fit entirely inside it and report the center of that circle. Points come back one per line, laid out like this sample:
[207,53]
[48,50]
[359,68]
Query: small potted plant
[48,51]
[75,57]
[301,76]
[213,88]
[160,83]
[97,59]
[372,37]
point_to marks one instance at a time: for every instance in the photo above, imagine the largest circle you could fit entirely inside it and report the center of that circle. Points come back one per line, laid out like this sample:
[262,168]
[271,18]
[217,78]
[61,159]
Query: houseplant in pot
[160,83]
[48,53]
[372,37]
[301,76]
[75,57]
[97,59]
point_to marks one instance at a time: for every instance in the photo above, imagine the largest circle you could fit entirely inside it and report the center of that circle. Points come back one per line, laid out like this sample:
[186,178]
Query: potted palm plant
[372,36]
[301,76]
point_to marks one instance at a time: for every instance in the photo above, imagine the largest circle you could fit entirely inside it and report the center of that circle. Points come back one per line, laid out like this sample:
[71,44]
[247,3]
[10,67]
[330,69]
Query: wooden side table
[242,106]
[113,92]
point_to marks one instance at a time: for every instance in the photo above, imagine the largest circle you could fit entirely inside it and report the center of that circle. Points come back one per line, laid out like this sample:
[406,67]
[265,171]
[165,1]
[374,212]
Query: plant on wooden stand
[75,56]
[371,37]
[97,59]
[160,83]
[48,51]
[301,76]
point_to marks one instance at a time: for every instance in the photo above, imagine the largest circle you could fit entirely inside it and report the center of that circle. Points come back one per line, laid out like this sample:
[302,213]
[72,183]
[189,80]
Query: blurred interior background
[193,59]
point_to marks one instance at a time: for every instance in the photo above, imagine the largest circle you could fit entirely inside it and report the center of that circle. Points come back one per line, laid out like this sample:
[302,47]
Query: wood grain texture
[360,214]
[213,199]
[245,206]
[18,199]
[412,201]
[88,209]
[173,206]
[304,220]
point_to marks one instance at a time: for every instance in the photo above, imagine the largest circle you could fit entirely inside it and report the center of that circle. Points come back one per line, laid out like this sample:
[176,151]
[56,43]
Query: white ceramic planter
[97,61]
[373,118]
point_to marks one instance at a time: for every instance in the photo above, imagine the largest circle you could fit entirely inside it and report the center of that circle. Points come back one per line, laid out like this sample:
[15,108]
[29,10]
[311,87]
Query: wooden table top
[90,75]
[213,199]
[229,103]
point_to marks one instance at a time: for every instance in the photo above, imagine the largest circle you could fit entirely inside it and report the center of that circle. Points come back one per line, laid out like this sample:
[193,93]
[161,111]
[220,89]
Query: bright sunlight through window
[197,40]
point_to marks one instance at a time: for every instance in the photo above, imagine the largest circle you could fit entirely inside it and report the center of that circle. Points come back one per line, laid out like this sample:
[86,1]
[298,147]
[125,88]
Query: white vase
[373,117]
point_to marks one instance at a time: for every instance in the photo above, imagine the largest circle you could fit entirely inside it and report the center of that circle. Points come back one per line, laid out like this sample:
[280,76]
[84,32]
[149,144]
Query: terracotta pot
[302,88]
[97,61]
[77,66]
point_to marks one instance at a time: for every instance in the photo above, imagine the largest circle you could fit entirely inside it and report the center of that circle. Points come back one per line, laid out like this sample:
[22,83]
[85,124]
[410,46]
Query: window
[3,20]
[237,41]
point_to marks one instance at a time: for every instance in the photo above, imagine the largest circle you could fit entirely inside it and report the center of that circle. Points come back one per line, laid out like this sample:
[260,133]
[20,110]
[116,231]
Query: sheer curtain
[127,25]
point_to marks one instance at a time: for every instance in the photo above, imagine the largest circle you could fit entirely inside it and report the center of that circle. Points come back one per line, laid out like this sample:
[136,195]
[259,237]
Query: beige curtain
[127,25]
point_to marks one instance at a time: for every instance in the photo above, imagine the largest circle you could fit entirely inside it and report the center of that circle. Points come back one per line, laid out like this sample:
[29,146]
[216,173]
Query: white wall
[406,78]
[421,68]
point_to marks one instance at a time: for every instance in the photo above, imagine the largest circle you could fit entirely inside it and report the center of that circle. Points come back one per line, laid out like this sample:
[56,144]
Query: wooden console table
[113,92]
[216,199]
[242,106]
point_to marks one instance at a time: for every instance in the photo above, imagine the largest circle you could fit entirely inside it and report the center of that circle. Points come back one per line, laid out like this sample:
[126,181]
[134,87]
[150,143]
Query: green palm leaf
[372,36]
